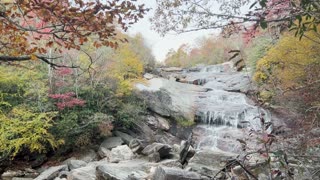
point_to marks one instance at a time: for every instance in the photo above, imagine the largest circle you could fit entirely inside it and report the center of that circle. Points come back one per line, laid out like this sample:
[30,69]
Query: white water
[224,114]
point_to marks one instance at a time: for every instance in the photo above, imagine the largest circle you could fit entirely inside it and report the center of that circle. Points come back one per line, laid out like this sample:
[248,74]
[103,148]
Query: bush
[22,130]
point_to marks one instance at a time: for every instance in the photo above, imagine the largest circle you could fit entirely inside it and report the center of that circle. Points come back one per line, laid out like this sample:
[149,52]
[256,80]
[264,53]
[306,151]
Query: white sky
[161,45]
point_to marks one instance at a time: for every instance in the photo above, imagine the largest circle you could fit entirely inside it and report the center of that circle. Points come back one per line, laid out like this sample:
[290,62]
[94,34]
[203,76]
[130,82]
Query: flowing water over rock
[215,97]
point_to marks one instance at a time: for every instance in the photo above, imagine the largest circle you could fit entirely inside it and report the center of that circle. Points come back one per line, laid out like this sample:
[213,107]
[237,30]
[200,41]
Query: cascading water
[215,96]
[224,116]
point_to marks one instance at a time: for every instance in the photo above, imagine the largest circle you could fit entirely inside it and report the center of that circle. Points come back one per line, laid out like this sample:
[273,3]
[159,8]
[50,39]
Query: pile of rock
[120,157]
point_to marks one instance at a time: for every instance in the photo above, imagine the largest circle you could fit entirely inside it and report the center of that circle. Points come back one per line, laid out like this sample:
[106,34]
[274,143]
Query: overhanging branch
[29,57]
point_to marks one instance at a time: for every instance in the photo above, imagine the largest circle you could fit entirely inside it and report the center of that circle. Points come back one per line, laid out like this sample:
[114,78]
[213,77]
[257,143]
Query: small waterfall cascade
[223,116]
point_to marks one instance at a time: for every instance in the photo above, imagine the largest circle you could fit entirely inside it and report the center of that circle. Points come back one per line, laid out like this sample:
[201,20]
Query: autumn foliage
[29,28]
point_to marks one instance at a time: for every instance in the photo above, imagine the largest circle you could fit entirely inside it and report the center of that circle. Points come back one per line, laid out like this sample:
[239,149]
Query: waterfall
[224,116]
[213,95]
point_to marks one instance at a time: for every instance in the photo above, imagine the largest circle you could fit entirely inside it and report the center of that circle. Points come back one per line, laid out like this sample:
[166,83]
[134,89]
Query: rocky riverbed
[198,126]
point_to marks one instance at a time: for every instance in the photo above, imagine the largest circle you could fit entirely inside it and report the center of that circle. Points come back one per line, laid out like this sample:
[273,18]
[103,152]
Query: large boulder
[88,156]
[163,97]
[159,102]
[111,142]
[144,131]
[51,172]
[124,136]
[163,150]
[166,173]
[209,162]
[121,153]
[75,164]
[83,173]
[134,169]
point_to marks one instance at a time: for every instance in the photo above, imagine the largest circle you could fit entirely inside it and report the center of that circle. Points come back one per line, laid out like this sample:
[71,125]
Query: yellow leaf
[33,57]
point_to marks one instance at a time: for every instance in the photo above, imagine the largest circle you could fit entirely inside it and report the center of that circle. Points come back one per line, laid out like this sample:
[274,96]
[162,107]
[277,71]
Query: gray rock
[104,153]
[84,173]
[74,164]
[136,146]
[112,142]
[121,153]
[121,171]
[163,150]
[159,102]
[137,175]
[212,158]
[166,138]
[152,122]
[125,137]
[208,163]
[154,157]
[163,97]
[52,172]
[8,175]
[88,156]
[144,131]
[163,123]
[20,178]
[165,173]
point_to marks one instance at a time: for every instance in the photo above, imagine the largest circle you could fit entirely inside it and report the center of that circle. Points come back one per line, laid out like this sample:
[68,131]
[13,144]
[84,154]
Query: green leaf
[263,24]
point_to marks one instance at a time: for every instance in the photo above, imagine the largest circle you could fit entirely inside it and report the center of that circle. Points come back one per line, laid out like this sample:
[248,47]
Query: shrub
[22,130]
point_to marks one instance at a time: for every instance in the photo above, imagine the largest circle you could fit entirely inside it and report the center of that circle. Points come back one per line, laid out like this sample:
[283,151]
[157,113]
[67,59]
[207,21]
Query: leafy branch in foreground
[29,28]
[184,16]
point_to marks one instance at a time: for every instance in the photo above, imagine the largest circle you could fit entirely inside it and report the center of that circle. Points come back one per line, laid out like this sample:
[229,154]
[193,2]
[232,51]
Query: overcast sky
[161,45]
